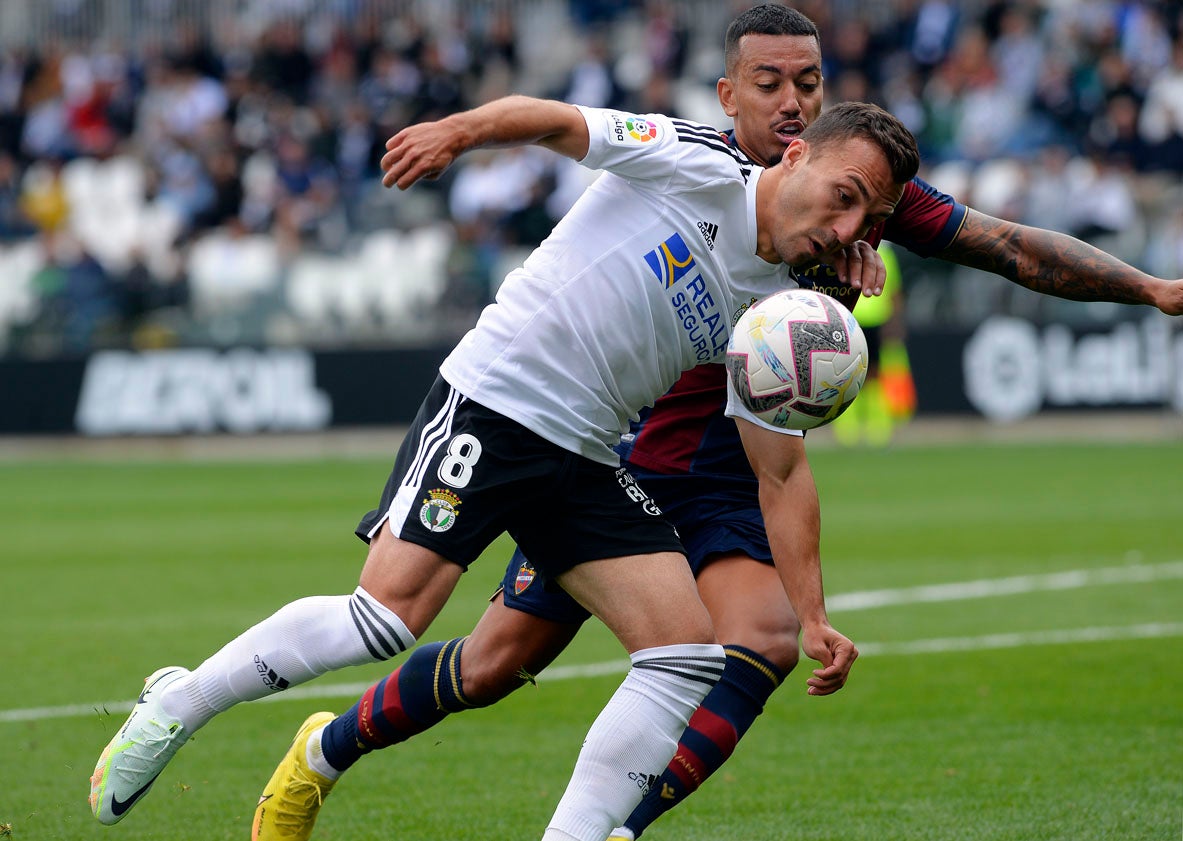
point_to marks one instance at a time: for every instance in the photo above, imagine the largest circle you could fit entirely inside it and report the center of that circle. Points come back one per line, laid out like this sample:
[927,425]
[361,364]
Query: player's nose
[790,106]
[850,228]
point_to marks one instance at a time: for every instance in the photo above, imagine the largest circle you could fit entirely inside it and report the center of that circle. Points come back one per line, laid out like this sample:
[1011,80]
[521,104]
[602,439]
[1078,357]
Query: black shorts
[715,515]
[465,474]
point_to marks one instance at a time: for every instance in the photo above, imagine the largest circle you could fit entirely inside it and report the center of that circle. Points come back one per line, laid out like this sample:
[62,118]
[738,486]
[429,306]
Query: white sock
[634,738]
[315,757]
[301,641]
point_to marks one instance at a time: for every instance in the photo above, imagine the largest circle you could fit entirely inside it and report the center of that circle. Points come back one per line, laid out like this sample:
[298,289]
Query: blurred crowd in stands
[220,183]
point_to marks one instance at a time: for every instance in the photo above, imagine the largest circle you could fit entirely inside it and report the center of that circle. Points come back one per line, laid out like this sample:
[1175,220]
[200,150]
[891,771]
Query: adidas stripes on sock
[725,715]
[301,641]
[633,738]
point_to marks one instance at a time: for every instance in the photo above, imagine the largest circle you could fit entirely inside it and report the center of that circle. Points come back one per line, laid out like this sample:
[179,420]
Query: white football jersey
[641,280]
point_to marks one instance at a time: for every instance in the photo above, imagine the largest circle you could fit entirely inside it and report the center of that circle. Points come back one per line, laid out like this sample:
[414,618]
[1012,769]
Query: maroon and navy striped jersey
[685,431]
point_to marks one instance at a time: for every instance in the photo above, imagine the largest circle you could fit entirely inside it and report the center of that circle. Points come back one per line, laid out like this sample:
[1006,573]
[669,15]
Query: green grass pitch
[1045,702]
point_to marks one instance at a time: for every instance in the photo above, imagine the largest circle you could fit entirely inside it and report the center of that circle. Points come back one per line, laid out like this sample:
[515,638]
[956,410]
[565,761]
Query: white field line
[1016,585]
[863,600]
[1068,636]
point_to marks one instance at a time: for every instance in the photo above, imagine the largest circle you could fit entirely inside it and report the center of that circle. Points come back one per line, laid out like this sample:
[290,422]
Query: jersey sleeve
[665,154]
[926,220]
[736,409]
[639,147]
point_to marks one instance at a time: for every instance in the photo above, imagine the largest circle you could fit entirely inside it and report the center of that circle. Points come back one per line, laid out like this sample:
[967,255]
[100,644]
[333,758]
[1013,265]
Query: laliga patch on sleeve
[631,130]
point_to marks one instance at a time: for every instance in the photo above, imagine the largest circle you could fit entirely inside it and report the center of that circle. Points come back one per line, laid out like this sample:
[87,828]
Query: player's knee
[775,643]
[487,680]
[782,651]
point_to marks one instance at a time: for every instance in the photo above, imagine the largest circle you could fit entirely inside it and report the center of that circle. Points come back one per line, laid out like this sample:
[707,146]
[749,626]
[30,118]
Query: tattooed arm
[1056,264]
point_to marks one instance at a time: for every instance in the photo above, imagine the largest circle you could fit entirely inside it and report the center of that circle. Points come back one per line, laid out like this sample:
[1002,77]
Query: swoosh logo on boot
[119,807]
[148,688]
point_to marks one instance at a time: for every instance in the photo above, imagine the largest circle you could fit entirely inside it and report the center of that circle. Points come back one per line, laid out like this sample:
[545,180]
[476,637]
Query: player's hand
[836,654]
[1171,299]
[420,151]
[860,267]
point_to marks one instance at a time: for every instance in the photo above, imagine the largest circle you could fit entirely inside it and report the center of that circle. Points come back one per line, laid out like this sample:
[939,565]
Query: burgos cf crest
[439,510]
[671,261]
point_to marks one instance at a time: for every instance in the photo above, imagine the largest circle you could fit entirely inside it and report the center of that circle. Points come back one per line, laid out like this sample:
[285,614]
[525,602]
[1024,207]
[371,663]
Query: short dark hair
[768,19]
[850,120]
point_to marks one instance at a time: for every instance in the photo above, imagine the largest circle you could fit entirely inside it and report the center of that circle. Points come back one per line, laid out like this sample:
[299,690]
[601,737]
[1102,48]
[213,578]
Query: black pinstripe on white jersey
[710,137]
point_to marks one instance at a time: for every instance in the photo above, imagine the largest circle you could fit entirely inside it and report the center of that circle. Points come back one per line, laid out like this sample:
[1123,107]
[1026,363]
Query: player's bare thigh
[645,600]
[411,580]
[749,607]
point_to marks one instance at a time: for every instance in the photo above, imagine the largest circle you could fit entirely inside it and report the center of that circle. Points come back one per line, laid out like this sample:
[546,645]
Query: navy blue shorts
[714,515]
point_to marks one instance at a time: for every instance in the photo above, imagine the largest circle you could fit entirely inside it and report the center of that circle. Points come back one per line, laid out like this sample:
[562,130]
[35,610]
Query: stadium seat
[226,273]
[952,177]
[308,288]
[18,299]
[404,274]
[997,185]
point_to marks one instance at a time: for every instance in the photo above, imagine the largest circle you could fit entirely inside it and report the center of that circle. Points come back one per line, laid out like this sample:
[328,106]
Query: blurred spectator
[441,89]
[1056,102]
[1108,77]
[357,150]
[261,128]
[91,114]
[850,49]
[496,185]
[141,296]
[592,81]
[1161,119]
[306,192]
[78,301]
[1144,40]
[1113,135]
[45,130]
[391,83]
[1164,254]
[496,48]
[183,184]
[336,83]
[14,70]
[1050,179]
[590,14]
[190,46]
[982,116]
[14,223]
[1102,202]
[933,29]
[665,39]
[43,198]
[225,181]
[282,63]
[1018,52]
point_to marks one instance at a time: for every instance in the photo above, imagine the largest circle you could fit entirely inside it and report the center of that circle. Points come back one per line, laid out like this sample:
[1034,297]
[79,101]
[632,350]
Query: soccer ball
[797,359]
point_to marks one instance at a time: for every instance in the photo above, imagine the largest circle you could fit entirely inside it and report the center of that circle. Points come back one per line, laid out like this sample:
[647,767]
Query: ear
[726,96]
[796,151]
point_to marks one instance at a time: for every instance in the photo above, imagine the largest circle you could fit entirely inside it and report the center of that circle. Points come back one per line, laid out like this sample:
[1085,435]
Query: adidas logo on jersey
[709,231]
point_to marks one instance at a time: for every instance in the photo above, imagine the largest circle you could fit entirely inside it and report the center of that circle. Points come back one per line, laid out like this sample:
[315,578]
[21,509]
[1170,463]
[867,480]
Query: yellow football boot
[292,799]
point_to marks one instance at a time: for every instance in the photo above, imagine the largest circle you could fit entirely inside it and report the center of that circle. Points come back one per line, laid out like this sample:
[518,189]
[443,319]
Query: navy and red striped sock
[418,695]
[712,734]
